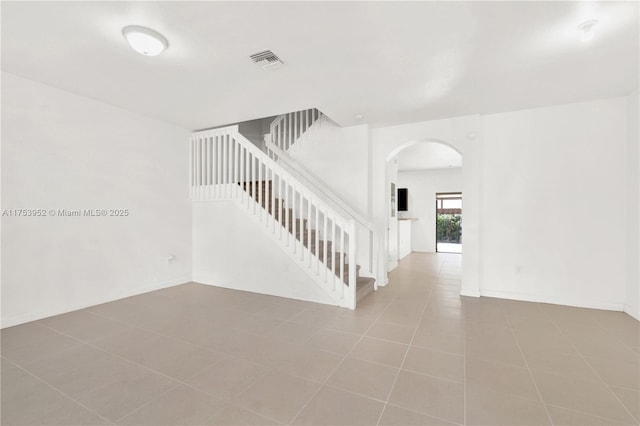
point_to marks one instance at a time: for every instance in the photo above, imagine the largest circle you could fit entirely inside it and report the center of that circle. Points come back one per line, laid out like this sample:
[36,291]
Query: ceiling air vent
[266,59]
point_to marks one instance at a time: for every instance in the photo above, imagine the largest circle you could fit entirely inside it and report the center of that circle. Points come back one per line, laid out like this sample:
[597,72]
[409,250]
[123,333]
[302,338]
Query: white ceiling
[428,156]
[392,62]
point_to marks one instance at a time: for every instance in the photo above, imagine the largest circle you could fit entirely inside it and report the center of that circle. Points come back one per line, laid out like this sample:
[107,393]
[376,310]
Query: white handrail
[312,180]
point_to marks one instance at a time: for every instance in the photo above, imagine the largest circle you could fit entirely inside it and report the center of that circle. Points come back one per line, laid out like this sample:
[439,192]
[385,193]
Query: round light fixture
[145,40]
[358,117]
[587,29]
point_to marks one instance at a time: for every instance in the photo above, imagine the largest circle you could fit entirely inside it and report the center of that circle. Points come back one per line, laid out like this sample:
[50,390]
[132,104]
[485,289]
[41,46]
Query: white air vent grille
[266,59]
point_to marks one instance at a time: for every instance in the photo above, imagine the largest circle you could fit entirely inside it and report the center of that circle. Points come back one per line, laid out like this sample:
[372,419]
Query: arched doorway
[461,134]
[415,173]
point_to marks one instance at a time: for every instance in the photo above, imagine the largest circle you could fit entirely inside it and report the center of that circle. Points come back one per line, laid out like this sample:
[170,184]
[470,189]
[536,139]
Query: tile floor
[414,353]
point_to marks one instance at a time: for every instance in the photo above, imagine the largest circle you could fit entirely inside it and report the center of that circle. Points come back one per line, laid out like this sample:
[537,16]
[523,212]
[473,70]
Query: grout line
[582,357]
[533,380]
[339,365]
[415,331]
[59,391]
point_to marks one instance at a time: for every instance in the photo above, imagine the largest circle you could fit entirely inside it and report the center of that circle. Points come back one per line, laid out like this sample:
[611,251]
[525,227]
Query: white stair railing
[286,129]
[224,165]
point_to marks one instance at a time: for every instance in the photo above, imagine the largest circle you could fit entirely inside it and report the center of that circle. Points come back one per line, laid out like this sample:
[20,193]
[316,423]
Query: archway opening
[417,174]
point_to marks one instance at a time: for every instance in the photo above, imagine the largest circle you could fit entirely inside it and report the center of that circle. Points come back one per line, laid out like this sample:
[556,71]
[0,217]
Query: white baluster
[333,252]
[341,259]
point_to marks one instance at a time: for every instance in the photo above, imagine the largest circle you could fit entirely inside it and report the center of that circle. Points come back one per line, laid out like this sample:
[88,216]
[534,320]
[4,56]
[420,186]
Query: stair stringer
[259,267]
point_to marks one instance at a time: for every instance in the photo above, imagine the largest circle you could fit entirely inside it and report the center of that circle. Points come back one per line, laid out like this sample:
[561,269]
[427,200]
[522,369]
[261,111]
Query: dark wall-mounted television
[403,202]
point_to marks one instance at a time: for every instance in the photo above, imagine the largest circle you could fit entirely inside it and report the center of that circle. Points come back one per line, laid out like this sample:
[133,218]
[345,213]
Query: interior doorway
[449,222]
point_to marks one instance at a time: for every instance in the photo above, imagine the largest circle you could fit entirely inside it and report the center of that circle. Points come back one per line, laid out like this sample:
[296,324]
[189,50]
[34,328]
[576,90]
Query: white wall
[231,250]
[63,151]
[632,303]
[422,186]
[338,157]
[553,200]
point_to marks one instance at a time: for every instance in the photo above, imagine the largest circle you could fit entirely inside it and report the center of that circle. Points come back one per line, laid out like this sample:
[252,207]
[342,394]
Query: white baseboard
[609,306]
[46,313]
[469,293]
[629,311]
[202,278]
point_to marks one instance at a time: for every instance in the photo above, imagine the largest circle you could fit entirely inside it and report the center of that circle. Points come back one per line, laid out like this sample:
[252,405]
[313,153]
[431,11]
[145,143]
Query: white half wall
[63,151]
[422,186]
[554,190]
[232,250]
[632,303]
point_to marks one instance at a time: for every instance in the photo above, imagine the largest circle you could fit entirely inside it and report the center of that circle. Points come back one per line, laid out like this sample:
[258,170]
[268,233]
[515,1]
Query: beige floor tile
[265,348]
[485,407]
[441,340]
[234,416]
[228,377]
[333,341]
[380,351]
[110,386]
[121,338]
[75,321]
[363,377]
[28,401]
[80,369]
[119,398]
[229,341]
[347,409]
[506,352]
[294,332]
[502,378]
[277,396]
[24,334]
[176,359]
[192,330]
[257,324]
[391,332]
[311,364]
[315,317]
[563,364]
[282,310]
[435,363]
[119,310]
[518,309]
[428,395]
[37,349]
[399,317]
[350,322]
[536,339]
[617,373]
[580,395]
[565,417]
[396,416]
[630,399]
[182,405]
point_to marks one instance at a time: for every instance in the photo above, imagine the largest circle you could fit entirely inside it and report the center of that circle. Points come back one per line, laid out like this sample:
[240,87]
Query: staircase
[322,240]
[309,237]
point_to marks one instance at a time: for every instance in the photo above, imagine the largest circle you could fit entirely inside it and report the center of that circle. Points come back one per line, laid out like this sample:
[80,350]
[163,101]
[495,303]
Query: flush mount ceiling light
[587,29]
[145,40]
